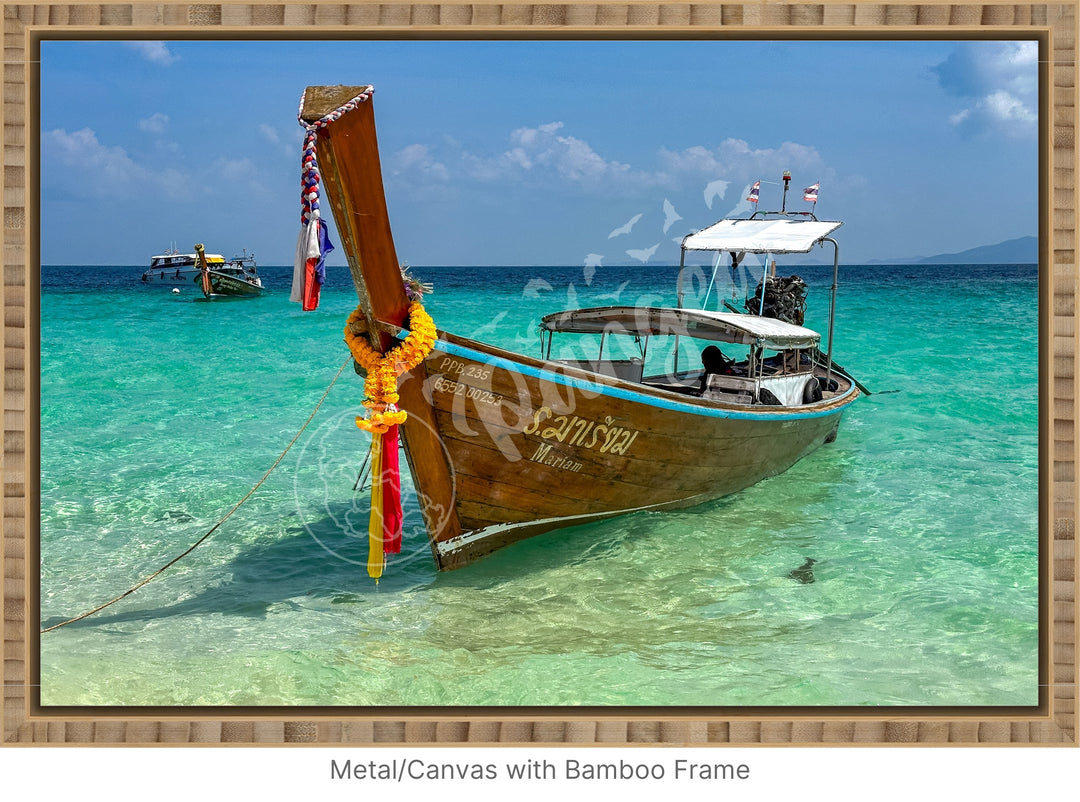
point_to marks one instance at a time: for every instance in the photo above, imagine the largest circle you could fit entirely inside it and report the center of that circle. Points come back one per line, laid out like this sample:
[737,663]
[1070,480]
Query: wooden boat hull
[223,284]
[533,446]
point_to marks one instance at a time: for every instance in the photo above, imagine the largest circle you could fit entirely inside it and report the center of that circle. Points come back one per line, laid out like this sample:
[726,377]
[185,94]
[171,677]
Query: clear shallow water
[160,412]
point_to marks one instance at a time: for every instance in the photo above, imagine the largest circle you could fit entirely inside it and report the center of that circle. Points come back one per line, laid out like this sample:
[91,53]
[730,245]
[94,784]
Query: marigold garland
[380,387]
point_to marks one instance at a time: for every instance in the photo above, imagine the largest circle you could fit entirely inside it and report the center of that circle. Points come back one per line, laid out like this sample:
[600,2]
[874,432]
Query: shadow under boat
[320,560]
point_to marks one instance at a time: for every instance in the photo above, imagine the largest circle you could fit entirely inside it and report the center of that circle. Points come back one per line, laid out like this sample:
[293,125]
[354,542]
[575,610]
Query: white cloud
[541,153]
[576,160]
[240,175]
[527,137]
[98,170]
[81,148]
[546,155]
[283,144]
[1006,108]
[418,161]
[235,170]
[697,158]
[737,162]
[155,124]
[155,52]
[998,82]
[959,117]
[270,133]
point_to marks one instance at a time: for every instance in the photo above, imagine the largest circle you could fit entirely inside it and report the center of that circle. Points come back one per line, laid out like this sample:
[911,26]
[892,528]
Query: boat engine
[785,299]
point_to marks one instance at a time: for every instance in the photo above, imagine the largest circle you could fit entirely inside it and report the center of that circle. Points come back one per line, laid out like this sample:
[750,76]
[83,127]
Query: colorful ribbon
[313,243]
[310,177]
[376,552]
[385,520]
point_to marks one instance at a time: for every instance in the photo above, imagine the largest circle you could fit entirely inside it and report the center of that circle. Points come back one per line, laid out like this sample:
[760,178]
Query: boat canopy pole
[678,281]
[832,305]
[764,279]
[712,279]
[682,264]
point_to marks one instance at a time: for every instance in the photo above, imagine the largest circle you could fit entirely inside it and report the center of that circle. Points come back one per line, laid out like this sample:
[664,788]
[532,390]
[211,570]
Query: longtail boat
[173,269]
[503,446]
[236,279]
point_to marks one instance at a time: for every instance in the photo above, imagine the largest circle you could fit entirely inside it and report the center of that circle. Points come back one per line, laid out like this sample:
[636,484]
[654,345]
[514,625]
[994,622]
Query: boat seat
[738,389]
[788,389]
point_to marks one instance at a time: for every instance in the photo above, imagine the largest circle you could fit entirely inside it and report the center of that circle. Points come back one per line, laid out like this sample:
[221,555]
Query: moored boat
[238,278]
[503,446]
[174,270]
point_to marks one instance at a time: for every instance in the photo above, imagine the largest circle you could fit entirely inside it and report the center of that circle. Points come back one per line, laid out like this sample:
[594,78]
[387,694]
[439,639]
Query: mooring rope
[214,528]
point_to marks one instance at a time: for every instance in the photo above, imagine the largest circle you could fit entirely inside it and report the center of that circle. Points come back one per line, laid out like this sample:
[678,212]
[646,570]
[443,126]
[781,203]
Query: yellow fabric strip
[375,524]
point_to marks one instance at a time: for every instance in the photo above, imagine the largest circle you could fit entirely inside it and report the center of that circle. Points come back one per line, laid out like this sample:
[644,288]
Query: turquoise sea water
[159,412]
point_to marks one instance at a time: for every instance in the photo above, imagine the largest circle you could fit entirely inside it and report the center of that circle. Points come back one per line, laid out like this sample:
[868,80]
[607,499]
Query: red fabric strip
[391,494]
[312,287]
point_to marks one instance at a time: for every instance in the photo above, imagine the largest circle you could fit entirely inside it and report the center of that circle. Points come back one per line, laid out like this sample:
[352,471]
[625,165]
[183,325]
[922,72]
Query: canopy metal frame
[738,251]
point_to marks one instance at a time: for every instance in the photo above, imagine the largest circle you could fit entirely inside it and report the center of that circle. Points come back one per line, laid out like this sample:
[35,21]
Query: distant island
[1023,250]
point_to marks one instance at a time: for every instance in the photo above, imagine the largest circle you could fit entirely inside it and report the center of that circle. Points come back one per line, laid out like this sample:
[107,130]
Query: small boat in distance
[174,269]
[503,446]
[238,278]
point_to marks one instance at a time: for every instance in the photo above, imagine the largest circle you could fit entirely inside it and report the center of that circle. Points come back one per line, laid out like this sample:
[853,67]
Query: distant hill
[1023,250]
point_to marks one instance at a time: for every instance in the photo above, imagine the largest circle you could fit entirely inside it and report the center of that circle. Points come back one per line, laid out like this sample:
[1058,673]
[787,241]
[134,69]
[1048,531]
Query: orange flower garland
[380,387]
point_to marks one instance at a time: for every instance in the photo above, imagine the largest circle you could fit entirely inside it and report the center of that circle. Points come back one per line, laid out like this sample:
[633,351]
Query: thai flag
[309,268]
[754,190]
[810,193]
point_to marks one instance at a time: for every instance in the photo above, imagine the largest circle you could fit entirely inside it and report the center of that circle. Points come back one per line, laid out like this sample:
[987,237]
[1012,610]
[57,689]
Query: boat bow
[351,171]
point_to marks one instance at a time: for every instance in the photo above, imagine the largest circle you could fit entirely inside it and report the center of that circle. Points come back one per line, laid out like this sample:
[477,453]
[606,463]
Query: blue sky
[533,153]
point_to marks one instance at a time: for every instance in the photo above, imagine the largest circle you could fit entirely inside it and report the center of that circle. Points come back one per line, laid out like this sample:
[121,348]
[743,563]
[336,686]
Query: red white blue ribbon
[313,244]
[309,174]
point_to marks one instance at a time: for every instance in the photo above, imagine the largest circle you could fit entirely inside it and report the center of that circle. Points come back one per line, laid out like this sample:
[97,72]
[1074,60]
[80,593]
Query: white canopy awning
[760,236]
[705,325]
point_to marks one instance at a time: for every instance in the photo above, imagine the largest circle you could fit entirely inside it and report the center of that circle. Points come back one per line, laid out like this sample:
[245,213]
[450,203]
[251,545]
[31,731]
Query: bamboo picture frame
[1051,722]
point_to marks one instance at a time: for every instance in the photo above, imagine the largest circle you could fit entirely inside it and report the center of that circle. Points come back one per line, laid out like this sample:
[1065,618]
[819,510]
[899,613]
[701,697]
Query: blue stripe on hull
[630,395]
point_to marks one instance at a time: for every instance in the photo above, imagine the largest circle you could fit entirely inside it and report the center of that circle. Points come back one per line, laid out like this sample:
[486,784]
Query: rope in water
[214,528]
